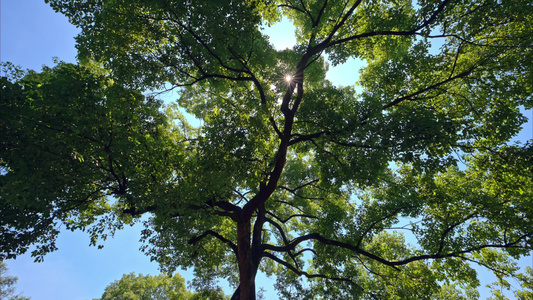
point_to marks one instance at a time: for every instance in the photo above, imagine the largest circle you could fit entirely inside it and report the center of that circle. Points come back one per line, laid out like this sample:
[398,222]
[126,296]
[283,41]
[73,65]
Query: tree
[7,285]
[287,173]
[133,287]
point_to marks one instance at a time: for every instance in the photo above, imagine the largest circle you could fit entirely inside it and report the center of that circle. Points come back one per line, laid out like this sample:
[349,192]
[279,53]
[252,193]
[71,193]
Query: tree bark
[246,270]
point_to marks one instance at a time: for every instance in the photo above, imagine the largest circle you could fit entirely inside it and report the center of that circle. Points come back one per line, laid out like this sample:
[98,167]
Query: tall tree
[288,173]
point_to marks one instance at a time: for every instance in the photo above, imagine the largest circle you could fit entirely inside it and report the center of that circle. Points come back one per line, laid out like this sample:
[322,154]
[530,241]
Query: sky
[31,34]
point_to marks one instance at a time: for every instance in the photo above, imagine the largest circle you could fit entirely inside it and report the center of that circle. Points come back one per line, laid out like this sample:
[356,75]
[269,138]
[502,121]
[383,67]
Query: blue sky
[31,35]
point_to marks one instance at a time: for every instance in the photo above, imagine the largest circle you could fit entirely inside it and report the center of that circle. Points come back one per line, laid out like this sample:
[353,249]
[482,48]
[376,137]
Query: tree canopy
[391,191]
[160,287]
[7,285]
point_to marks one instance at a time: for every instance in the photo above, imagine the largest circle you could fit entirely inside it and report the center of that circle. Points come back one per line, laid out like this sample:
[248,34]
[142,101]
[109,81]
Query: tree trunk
[246,270]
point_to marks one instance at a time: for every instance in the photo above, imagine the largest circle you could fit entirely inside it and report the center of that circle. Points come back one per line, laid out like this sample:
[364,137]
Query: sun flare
[288,78]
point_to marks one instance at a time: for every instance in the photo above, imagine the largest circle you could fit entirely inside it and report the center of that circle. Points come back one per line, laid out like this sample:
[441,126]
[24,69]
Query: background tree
[140,287]
[7,285]
[314,183]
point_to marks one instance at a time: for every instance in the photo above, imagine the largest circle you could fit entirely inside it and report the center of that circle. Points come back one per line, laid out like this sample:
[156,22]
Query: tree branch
[303,273]
[308,137]
[299,187]
[431,87]
[195,240]
[329,43]
[292,216]
[393,213]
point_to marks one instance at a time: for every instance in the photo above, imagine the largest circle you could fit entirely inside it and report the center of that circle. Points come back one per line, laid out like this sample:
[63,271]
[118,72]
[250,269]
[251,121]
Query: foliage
[141,287]
[337,193]
[7,285]
[71,139]
[527,285]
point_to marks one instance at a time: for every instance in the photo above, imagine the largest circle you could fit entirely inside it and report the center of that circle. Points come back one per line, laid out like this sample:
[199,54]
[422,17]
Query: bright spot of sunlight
[288,78]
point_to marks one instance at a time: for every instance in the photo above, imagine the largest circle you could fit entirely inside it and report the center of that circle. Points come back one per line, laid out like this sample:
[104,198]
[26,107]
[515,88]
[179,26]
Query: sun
[288,78]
